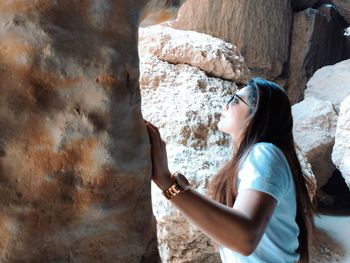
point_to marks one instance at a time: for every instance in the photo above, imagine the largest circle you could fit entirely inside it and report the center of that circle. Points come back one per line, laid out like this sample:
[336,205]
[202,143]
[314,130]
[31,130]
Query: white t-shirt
[266,169]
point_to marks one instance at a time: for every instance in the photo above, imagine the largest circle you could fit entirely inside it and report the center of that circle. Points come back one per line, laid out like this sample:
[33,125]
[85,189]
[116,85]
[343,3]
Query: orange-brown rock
[74,152]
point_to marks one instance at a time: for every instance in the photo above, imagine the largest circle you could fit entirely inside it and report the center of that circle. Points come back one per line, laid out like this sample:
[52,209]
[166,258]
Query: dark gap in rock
[338,195]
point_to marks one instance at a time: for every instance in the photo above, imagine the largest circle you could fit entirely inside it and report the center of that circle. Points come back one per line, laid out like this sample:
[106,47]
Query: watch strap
[174,189]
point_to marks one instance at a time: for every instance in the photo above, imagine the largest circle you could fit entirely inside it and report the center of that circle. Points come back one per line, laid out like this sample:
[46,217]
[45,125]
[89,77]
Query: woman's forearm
[225,225]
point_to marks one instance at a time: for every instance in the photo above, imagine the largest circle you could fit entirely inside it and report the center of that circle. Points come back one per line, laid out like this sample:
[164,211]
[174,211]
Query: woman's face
[234,117]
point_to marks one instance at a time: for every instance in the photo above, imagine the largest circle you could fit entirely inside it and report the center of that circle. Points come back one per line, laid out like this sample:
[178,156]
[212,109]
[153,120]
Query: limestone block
[330,83]
[260,31]
[212,55]
[185,104]
[341,150]
[314,129]
[317,40]
[74,153]
[344,8]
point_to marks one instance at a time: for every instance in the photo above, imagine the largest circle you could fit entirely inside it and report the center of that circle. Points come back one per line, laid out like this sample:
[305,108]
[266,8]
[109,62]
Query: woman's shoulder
[267,151]
[266,147]
[264,161]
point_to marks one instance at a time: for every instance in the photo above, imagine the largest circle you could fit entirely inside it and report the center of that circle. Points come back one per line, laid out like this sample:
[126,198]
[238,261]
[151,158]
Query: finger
[154,139]
[150,123]
[155,129]
[150,132]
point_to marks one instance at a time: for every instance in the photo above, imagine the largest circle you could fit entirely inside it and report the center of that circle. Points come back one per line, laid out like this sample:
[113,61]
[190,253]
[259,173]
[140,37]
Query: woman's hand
[160,171]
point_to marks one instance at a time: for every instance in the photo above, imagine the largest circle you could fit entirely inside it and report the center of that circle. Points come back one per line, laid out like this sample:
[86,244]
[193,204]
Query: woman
[258,208]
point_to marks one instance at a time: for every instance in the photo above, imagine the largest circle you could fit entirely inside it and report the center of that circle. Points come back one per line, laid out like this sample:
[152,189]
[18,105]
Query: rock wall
[74,153]
[344,8]
[317,40]
[260,31]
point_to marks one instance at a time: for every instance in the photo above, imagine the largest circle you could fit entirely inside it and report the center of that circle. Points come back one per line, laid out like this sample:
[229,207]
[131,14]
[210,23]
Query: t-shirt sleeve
[264,170]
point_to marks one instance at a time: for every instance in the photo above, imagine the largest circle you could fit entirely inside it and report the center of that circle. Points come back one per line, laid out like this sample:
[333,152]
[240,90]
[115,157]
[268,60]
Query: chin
[221,127]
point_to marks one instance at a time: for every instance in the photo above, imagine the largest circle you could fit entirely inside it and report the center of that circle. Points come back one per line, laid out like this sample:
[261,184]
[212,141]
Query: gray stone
[317,40]
[260,31]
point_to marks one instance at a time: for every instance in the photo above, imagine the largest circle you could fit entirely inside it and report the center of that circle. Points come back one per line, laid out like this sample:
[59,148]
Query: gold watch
[180,185]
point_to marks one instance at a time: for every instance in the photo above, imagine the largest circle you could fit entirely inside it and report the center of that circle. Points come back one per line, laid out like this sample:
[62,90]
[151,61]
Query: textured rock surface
[341,150]
[330,83]
[314,128]
[308,173]
[317,40]
[260,31]
[186,104]
[212,55]
[344,8]
[158,11]
[75,187]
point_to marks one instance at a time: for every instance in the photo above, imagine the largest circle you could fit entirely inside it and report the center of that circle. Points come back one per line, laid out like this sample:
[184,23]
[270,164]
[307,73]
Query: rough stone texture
[343,7]
[75,187]
[314,129]
[303,4]
[341,150]
[307,171]
[186,104]
[212,55]
[330,83]
[260,31]
[317,40]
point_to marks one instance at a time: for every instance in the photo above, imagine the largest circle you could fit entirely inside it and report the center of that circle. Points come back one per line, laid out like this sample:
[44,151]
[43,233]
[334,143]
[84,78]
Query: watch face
[182,180]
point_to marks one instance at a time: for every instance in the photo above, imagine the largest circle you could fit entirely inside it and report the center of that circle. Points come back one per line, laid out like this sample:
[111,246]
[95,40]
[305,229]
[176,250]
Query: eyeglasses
[235,98]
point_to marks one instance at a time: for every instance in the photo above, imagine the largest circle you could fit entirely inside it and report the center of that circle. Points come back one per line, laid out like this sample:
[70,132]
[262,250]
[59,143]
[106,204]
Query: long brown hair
[271,121]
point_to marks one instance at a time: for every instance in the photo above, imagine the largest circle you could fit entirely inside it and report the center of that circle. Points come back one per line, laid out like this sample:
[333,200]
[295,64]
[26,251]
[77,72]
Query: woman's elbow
[247,245]
[247,249]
